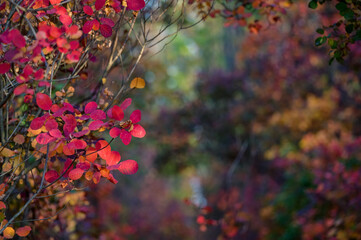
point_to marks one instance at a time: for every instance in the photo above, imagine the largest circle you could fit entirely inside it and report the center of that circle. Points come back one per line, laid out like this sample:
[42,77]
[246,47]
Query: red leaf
[54,2]
[68,129]
[114,132]
[136,116]
[113,158]
[128,167]
[107,21]
[99,4]
[55,133]
[74,45]
[126,103]
[51,176]
[88,25]
[61,10]
[74,56]
[90,107]
[83,166]
[109,113]
[23,231]
[65,19]
[20,89]
[135,5]
[28,70]
[37,123]
[125,136]
[44,138]
[69,107]
[43,101]
[91,154]
[55,108]
[76,173]
[83,132]
[55,32]
[201,220]
[68,150]
[38,75]
[51,124]
[69,119]
[95,125]
[67,165]
[106,30]
[2,205]
[103,149]
[17,39]
[98,115]
[112,179]
[77,144]
[96,177]
[138,131]
[117,113]
[72,30]
[95,25]
[88,10]
[4,68]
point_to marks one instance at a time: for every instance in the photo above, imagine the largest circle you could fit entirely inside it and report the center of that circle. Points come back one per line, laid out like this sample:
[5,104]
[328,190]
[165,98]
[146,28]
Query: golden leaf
[9,233]
[6,152]
[137,83]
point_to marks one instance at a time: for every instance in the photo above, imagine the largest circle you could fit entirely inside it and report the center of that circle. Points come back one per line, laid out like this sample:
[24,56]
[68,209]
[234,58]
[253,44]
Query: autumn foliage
[49,142]
[292,127]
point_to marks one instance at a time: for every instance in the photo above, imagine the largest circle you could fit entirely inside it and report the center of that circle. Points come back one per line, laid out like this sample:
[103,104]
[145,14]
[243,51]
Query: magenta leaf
[106,30]
[43,101]
[135,116]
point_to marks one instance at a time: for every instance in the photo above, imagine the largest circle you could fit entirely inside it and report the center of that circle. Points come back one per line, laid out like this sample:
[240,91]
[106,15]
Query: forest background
[253,132]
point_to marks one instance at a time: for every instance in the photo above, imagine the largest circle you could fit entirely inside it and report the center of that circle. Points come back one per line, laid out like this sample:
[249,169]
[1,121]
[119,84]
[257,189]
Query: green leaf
[320,31]
[24,107]
[341,6]
[347,13]
[357,36]
[313,4]
[331,60]
[332,43]
[319,41]
[349,28]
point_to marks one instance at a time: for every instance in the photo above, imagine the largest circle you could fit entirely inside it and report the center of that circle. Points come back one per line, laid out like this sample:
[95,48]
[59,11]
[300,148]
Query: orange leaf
[9,233]
[23,231]
[7,152]
[104,172]
[137,83]
[89,175]
[91,154]
[2,205]
[2,188]
[103,148]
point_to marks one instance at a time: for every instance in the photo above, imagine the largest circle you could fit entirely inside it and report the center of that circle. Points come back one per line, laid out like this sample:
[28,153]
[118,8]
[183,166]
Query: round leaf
[137,83]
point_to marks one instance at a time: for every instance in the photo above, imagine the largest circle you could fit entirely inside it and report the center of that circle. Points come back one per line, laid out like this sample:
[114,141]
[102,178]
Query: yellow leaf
[6,152]
[104,80]
[7,167]
[137,83]
[9,233]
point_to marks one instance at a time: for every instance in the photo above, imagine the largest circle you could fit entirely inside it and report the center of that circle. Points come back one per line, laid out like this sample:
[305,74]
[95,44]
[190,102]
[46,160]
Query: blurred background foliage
[250,136]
